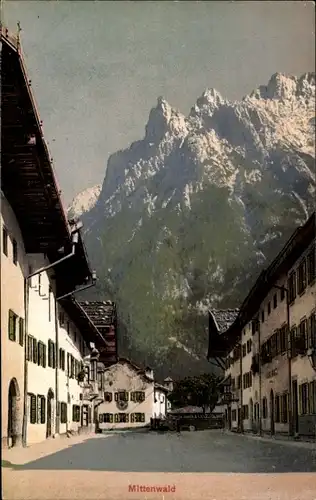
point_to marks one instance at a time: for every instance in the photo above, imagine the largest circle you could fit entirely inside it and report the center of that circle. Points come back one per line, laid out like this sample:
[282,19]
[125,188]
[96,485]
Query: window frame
[12,325]
[5,241]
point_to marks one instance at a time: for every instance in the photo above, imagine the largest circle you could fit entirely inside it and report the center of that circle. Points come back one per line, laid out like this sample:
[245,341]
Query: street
[105,467]
[207,451]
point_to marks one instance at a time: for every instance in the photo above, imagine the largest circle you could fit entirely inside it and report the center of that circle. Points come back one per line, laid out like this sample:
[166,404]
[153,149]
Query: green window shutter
[34,350]
[21,331]
[44,356]
[101,418]
[33,409]
[127,417]
[116,417]
[132,417]
[39,403]
[142,417]
[43,410]
[40,353]
[111,418]
[53,355]
[73,413]
[116,396]
[11,326]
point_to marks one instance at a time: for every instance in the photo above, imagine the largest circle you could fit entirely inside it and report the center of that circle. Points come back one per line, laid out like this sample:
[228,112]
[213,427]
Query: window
[41,351]
[41,404]
[301,277]
[247,380]
[108,397]
[137,417]
[138,396]
[245,412]
[303,333]
[264,408]
[121,396]
[269,308]
[51,354]
[282,294]
[283,339]
[62,359]
[72,366]
[34,351]
[244,350]
[15,251]
[292,286]
[284,408]
[63,413]
[75,413]
[5,241]
[33,413]
[303,398]
[12,325]
[106,418]
[234,415]
[49,303]
[275,301]
[61,318]
[39,284]
[122,417]
[311,266]
[312,397]
[277,409]
[262,316]
[21,331]
[249,345]
[312,331]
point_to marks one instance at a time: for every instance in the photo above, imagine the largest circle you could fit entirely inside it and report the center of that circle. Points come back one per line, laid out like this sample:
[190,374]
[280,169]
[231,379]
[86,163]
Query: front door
[295,406]
[272,429]
[229,418]
[50,397]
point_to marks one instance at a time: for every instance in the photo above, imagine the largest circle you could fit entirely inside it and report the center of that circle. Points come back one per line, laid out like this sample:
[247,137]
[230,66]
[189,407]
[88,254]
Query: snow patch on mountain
[84,201]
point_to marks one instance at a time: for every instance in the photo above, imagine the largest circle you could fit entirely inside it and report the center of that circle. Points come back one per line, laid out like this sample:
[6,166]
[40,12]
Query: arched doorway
[50,402]
[251,413]
[271,412]
[13,413]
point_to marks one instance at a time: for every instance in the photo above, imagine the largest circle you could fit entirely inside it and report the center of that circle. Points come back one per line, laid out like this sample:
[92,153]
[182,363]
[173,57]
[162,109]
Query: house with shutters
[269,349]
[129,396]
[48,385]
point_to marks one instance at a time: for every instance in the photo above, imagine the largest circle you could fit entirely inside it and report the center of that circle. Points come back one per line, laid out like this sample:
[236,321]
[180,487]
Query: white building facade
[270,348]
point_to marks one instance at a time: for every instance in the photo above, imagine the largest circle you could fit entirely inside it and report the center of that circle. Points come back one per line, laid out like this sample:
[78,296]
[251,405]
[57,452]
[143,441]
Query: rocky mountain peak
[162,119]
[286,87]
[84,201]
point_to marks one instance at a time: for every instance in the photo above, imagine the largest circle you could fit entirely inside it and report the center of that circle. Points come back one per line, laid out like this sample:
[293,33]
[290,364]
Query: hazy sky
[97,67]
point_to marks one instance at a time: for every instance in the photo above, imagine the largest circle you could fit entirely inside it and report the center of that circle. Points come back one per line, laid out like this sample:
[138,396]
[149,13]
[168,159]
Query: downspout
[260,379]
[289,348]
[75,238]
[241,388]
[26,323]
[57,417]
[84,287]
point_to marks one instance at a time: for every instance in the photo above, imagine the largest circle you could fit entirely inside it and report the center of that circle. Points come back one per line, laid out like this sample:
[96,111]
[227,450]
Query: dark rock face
[188,216]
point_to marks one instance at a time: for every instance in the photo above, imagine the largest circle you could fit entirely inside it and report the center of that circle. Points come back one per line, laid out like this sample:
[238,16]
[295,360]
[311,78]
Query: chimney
[149,373]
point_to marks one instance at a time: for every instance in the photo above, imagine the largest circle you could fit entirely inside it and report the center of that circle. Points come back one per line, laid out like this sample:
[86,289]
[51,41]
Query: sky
[98,67]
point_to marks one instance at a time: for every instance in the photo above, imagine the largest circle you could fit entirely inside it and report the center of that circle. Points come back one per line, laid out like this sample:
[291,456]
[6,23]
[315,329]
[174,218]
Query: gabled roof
[140,371]
[102,313]
[161,387]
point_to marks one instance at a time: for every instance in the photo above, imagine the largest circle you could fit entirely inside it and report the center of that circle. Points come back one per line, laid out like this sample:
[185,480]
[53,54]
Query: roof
[220,345]
[83,322]
[161,387]
[223,318]
[104,317]
[136,368]
[28,180]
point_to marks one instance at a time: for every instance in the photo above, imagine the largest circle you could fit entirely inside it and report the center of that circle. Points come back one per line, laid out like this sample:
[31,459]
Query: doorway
[13,413]
[295,406]
[251,414]
[272,427]
[50,398]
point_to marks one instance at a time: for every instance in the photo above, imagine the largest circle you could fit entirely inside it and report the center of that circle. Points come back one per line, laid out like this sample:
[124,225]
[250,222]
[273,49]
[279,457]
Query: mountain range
[190,214]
